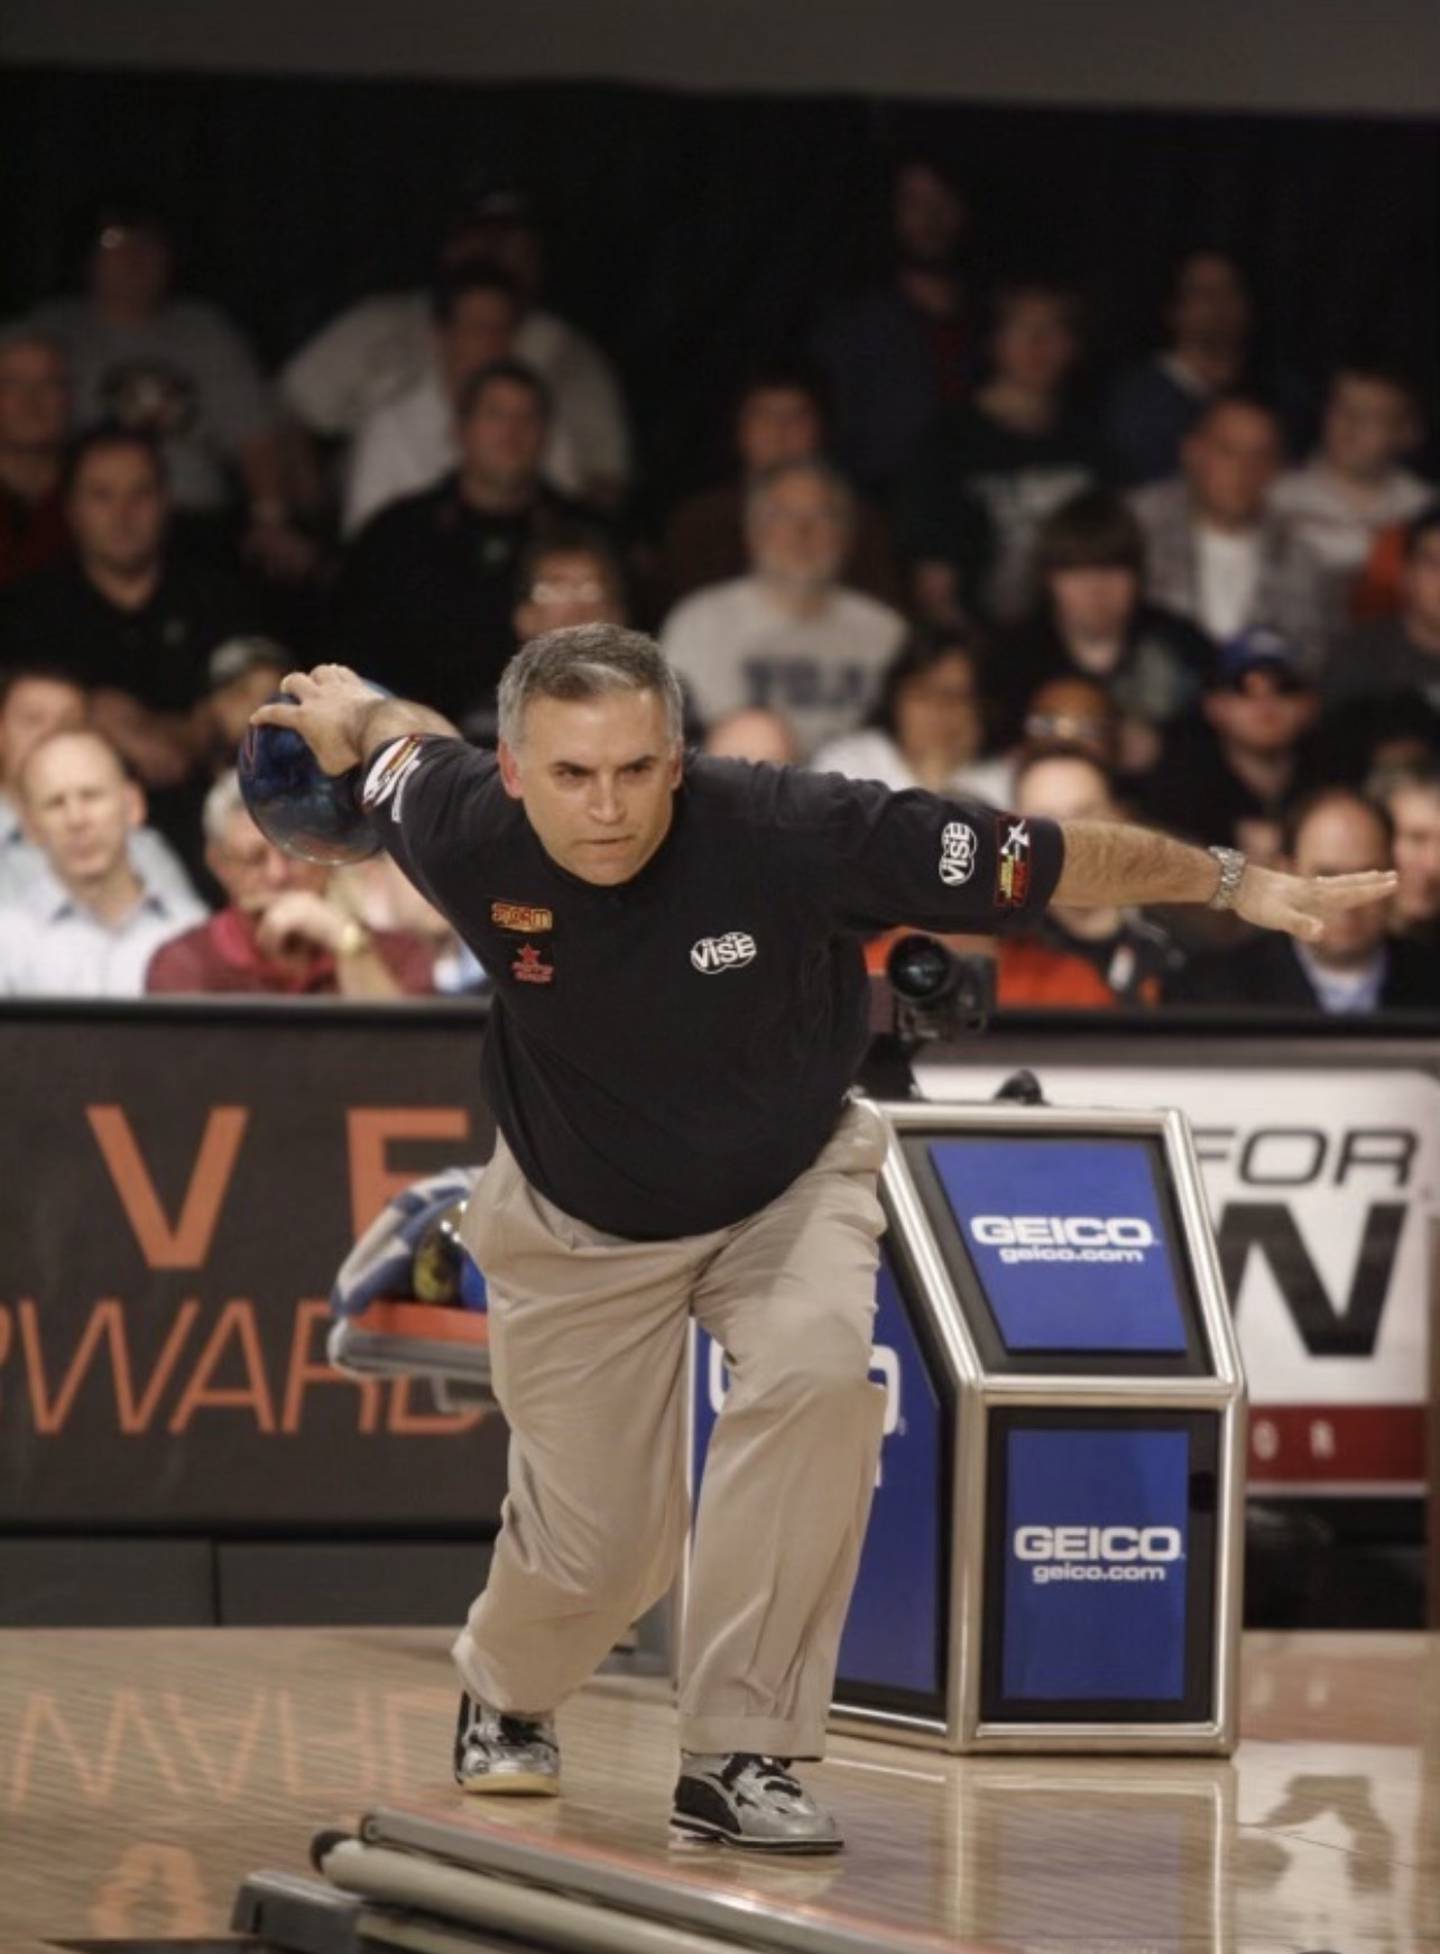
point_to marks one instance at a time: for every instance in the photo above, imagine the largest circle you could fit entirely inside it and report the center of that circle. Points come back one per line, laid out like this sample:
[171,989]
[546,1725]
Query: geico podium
[1054,1554]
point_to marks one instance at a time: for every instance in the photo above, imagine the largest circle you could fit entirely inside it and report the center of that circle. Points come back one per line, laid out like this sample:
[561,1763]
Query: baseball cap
[236,658]
[1260,649]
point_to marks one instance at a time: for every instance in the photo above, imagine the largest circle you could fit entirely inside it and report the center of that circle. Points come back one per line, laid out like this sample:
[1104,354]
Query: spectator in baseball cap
[1229,777]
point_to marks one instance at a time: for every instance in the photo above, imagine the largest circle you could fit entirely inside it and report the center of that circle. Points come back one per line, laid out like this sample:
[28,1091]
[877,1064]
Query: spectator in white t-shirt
[1355,484]
[92,927]
[787,637]
[408,443]
[928,726]
[1215,551]
[383,347]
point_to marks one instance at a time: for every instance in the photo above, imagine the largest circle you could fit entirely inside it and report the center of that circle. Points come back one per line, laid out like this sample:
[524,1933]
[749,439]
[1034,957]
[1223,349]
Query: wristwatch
[1232,868]
[353,940]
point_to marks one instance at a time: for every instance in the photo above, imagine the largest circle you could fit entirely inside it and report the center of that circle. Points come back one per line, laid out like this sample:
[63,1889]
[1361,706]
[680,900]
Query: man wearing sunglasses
[1229,777]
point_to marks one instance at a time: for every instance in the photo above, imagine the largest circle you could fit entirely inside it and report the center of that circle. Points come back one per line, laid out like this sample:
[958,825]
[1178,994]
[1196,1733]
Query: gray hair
[223,800]
[585,661]
[758,492]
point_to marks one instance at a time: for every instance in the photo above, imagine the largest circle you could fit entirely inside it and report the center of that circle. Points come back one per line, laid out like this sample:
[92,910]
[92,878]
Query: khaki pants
[588,1343]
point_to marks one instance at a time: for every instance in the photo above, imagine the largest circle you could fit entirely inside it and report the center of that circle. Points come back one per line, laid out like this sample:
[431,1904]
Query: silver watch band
[1232,868]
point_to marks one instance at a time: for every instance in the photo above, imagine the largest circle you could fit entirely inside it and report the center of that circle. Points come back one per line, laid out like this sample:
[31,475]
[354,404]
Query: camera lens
[921,970]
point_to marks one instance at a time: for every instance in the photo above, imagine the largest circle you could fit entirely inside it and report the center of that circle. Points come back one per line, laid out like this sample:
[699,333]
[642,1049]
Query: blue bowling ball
[303,810]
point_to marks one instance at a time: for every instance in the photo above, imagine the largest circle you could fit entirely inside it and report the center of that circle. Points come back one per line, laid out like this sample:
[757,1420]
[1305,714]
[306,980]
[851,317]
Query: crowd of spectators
[1202,594]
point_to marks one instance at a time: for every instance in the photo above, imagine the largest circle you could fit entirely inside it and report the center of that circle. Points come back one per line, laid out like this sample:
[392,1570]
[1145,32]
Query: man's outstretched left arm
[1108,862]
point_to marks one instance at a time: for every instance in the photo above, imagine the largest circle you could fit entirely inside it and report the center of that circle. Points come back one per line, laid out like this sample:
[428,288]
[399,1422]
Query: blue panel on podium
[1068,1240]
[1100,1558]
[1095,1537]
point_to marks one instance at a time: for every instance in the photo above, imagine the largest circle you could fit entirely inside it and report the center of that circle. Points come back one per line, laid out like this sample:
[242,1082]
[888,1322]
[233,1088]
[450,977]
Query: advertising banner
[176,1193]
[1322,1185]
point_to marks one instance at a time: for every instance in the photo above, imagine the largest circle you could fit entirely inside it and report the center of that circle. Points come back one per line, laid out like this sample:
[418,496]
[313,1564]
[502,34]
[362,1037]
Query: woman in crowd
[928,725]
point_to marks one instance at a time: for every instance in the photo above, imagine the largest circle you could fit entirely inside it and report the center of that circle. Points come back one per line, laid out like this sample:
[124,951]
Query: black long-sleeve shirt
[665,1056]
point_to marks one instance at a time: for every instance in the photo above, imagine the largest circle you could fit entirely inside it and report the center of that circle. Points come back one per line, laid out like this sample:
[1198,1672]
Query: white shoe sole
[687,1837]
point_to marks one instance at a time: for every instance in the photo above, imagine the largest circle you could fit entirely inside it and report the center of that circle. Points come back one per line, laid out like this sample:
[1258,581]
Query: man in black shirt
[1230,776]
[680,1008]
[428,587]
[136,614]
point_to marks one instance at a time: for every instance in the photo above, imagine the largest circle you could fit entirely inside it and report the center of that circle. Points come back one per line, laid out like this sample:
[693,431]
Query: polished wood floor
[144,1773]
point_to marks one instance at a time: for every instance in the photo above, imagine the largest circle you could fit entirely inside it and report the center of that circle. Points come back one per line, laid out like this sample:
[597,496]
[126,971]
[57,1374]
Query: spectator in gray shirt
[92,930]
[178,370]
[789,637]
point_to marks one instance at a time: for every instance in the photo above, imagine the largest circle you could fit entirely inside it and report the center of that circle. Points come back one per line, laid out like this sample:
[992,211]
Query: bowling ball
[302,809]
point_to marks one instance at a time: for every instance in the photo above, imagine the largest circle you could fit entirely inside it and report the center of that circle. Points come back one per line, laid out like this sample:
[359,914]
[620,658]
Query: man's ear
[509,771]
[677,762]
[135,809]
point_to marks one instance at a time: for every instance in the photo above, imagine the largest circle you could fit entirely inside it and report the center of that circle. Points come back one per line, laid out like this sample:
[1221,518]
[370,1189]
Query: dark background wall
[693,232]
[1346,56]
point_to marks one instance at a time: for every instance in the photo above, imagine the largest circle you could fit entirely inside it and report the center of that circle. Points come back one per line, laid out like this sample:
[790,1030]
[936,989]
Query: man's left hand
[1302,905]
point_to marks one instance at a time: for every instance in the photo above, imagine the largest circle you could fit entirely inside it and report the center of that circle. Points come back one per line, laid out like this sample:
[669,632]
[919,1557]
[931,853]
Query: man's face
[79,807]
[1262,716]
[503,437]
[34,397]
[1369,424]
[253,871]
[1416,814]
[1094,604]
[1230,462]
[1342,838]
[1211,306]
[34,709]
[118,510]
[777,424]
[130,270]
[929,218]
[1064,789]
[1420,585]
[798,532]
[1033,345]
[568,587]
[597,778]
[479,331]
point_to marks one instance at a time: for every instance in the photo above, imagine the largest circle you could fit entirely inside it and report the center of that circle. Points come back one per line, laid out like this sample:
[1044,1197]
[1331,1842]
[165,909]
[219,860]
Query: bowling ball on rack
[295,803]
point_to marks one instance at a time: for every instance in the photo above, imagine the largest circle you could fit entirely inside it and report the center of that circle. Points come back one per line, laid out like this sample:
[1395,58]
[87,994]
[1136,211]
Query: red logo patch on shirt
[530,968]
[524,917]
[1012,862]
